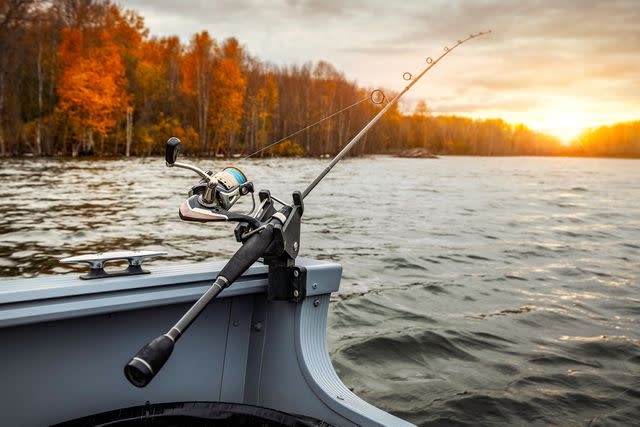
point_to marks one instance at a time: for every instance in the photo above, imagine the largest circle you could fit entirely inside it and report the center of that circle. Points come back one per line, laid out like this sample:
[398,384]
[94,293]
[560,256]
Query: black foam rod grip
[249,252]
[171,150]
[148,361]
[252,249]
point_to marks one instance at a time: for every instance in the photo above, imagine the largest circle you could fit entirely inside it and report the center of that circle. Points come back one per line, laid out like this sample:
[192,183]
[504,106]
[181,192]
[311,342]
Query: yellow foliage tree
[267,100]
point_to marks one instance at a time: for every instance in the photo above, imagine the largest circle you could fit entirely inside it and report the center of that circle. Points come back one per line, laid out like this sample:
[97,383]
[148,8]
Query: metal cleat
[97,261]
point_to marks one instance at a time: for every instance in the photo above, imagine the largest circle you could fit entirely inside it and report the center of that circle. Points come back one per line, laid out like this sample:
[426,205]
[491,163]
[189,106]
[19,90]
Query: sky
[558,66]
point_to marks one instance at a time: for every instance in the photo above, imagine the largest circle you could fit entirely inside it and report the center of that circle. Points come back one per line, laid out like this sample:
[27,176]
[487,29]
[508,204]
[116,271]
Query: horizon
[578,75]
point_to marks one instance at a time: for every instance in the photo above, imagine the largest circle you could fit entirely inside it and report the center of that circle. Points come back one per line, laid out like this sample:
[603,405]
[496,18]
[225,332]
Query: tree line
[85,77]
[617,140]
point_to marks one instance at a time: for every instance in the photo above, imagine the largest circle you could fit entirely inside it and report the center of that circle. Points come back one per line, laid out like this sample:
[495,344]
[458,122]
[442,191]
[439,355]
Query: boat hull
[66,341]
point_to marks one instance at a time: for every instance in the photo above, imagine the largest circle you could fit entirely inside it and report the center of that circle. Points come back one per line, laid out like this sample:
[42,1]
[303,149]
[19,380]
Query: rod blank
[381,113]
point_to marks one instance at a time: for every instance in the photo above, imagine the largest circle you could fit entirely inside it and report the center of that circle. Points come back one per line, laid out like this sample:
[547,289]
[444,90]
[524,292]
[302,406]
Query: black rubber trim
[197,414]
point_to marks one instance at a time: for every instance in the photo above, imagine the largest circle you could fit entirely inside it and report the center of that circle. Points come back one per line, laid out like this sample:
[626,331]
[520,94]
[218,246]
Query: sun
[566,125]
[567,118]
[563,118]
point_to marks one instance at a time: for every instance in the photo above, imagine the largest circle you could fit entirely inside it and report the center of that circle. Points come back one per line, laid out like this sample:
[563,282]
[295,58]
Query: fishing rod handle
[150,359]
[252,249]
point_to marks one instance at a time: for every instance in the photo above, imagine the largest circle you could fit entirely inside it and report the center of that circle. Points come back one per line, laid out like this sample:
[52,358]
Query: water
[475,290]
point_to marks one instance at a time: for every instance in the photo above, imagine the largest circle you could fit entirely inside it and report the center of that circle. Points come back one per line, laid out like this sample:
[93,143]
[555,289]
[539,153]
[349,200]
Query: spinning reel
[216,193]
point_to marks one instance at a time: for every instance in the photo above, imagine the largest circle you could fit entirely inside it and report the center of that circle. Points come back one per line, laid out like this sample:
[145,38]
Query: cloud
[325,8]
[539,51]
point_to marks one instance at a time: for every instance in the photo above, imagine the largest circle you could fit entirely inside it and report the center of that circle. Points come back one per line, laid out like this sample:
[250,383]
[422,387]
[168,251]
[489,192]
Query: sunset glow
[557,67]
[566,121]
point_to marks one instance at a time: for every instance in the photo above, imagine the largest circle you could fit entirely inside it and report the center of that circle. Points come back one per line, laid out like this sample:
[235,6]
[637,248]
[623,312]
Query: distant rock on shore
[417,153]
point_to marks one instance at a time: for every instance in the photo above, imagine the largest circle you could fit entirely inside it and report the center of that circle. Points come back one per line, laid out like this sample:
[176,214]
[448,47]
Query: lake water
[475,290]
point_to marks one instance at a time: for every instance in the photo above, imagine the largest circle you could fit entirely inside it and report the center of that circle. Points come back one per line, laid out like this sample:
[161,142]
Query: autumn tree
[197,69]
[14,18]
[260,105]
[617,140]
[70,69]
[92,85]
[265,107]
[227,96]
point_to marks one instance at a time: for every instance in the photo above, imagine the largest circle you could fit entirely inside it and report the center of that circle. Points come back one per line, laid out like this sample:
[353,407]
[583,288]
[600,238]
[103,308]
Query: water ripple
[476,291]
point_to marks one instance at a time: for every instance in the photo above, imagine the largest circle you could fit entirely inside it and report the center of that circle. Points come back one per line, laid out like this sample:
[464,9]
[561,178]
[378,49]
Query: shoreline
[326,157]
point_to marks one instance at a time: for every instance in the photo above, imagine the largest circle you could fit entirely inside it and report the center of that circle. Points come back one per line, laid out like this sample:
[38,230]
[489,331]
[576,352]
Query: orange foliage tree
[91,87]
[227,96]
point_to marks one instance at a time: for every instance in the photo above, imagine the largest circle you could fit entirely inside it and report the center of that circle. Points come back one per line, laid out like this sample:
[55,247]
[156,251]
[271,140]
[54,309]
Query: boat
[252,358]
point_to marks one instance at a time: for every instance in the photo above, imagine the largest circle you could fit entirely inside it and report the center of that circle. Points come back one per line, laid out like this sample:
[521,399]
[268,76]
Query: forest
[86,78]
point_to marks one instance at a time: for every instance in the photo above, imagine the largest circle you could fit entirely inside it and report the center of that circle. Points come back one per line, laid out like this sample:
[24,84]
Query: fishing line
[376,97]
[412,81]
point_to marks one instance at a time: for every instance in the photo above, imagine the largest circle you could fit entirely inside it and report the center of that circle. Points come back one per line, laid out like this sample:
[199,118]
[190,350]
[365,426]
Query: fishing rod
[365,129]
[265,232]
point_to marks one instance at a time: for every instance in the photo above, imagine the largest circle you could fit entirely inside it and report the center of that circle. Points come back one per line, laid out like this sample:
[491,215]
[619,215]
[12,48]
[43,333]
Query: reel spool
[224,188]
[232,184]
[212,198]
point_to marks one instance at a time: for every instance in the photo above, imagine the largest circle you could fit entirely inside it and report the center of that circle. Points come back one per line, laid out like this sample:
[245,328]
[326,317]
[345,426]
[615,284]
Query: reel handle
[171,150]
